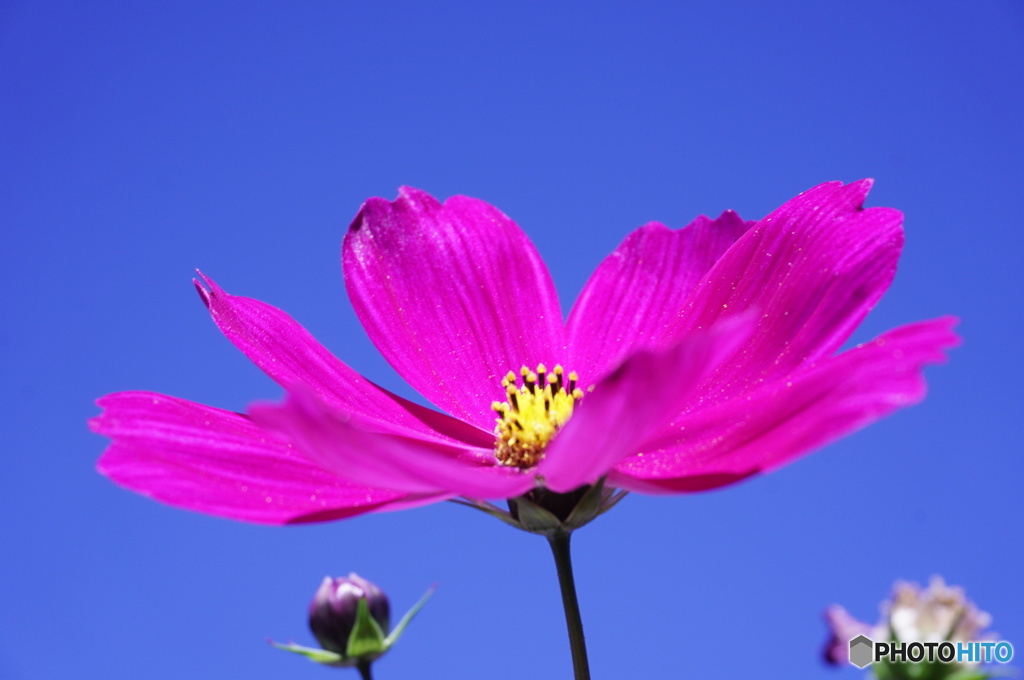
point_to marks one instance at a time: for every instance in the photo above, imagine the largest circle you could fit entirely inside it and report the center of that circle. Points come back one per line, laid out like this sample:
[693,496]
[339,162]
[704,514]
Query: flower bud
[351,618]
[335,607]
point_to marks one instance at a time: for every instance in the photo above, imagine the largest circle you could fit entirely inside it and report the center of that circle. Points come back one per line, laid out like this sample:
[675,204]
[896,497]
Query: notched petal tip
[653,226]
[377,208]
[104,468]
[360,219]
[852,194]
[860,189]
[207,288]
[408,194]
[105,403]
[943,339]
[951,338]
[857,191]
[204,294]
[730,219]
[212,295]
[824,186]
[95,424]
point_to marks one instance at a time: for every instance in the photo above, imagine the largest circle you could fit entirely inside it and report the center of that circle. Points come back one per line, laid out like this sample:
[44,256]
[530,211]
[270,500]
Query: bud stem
[563,563]
[364,670]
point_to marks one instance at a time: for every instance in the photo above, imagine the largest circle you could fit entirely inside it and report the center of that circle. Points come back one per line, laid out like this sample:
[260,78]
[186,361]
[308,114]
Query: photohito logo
[864,651]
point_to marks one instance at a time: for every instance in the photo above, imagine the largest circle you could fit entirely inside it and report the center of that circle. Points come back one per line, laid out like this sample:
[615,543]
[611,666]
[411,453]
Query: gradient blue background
[141,140]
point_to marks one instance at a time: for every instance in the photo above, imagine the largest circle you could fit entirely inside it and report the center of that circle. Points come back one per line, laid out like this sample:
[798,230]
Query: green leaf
[397,632]
[317,655]
[366,638]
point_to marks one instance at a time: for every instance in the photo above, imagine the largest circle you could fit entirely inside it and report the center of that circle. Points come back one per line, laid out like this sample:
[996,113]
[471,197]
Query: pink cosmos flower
[692,359]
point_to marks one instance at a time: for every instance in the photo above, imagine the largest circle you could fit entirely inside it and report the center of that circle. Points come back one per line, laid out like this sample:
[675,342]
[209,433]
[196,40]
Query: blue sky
[142,140]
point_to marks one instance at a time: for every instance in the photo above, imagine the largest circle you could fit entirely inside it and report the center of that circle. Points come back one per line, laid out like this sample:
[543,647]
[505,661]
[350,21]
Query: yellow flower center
[532,413]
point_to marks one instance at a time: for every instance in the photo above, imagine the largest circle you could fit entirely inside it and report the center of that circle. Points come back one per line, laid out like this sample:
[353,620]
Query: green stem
[563,563]
[364,670]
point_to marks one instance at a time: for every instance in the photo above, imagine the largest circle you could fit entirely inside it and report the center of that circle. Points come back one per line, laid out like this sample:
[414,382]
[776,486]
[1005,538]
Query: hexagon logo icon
[861,648]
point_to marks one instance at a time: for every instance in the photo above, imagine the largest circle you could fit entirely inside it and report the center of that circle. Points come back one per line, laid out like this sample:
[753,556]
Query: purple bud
[332,613]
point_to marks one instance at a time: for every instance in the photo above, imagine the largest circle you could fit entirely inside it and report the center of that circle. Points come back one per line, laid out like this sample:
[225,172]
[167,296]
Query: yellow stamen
[532,413]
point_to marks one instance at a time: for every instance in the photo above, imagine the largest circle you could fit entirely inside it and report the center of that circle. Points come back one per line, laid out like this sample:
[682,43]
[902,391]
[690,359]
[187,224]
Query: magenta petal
[812,269]
[213,461]
[633,403]
[420,466]
[633,299]
[287,352]
[782,420]
[454,296]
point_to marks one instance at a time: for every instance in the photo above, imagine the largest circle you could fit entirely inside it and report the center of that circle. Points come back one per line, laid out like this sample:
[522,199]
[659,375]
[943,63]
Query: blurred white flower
[937,613]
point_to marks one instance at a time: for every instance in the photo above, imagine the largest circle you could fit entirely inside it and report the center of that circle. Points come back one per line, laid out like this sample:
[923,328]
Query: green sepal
[366,638]
[588,507]
[535,519]
[396,632]
[317,655]
[529,515]
[493,511]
